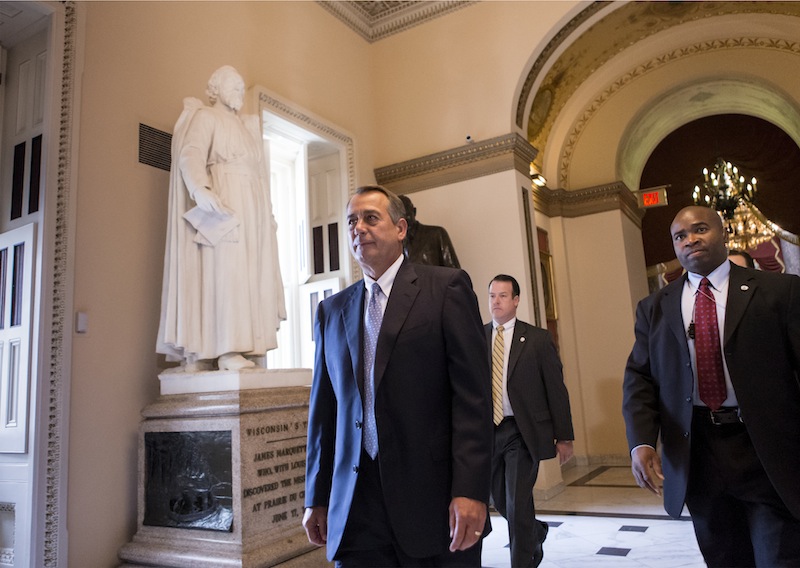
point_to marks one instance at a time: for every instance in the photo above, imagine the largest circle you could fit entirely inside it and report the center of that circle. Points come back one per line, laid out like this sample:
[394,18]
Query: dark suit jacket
[433,405]
[536,389]
[762,350]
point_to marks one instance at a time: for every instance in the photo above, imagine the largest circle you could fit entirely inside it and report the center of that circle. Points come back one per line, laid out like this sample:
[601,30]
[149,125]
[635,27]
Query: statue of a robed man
[222,296]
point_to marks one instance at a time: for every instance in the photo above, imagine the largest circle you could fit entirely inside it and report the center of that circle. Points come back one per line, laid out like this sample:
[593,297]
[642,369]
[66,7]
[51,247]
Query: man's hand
[467,519]
[646,468]
[564,449]
[315,521]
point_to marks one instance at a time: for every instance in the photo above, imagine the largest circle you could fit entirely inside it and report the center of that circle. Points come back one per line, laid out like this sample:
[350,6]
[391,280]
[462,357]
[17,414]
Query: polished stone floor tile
[578,541]
[601,519]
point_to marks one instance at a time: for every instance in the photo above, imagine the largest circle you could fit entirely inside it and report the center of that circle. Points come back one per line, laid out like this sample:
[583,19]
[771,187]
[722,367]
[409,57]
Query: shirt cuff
[640,446]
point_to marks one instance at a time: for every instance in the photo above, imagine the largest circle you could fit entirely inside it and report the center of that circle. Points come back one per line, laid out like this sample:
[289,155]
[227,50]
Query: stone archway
[731,95]
[619,77]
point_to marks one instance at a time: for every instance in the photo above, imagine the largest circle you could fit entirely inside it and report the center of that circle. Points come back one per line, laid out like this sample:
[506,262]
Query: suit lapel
[488,328]
[518,341]
[352,316]
[741,288]
[404,293]
[671,307]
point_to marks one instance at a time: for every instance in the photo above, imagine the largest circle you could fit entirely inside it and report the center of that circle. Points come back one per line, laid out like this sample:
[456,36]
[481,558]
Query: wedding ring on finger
[478,533]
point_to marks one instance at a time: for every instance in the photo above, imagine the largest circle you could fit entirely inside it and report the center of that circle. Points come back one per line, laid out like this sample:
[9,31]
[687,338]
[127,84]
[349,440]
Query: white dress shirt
[385,281]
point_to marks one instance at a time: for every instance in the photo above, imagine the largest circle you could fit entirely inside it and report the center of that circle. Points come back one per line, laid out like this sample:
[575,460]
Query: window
[309,188]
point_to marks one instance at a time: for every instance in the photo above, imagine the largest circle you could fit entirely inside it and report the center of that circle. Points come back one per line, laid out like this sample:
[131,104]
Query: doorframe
[53,307]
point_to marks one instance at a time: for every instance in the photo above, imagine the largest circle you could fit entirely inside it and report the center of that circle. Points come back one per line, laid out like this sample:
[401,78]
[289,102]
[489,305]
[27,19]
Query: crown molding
[500,154]
[597,199]
[375,20]
[477,159]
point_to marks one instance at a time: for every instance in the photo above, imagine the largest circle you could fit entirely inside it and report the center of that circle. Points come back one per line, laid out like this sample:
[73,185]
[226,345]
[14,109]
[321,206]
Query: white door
[17,249]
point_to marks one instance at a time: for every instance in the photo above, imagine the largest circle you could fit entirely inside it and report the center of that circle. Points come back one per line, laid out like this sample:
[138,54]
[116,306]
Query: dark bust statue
[427,244]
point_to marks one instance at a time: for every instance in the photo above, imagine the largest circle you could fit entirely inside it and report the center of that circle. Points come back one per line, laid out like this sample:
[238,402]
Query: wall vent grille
[154,147]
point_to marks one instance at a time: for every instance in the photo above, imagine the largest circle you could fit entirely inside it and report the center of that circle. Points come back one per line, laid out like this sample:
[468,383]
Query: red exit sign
[652,197]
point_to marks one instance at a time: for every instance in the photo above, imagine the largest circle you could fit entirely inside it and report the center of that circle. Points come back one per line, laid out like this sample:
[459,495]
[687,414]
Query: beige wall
[568,349]
[458,75]
[484,219]
[596,309]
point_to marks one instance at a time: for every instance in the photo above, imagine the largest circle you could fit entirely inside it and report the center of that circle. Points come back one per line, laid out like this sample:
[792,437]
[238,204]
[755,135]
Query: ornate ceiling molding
[375,20]
[598,199]
[598,34]
[548,52]
[772,44]
[470,161]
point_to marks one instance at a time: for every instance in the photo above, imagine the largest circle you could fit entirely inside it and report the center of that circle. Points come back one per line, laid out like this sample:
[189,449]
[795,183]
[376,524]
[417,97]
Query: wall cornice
[501,154]
[477,159]
[597,199]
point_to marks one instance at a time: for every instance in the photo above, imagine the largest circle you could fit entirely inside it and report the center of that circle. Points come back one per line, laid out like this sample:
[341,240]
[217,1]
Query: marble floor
[603,519]
[600,519]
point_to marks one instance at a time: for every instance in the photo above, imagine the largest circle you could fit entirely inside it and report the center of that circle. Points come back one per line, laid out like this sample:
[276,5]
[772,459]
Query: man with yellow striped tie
[532,416]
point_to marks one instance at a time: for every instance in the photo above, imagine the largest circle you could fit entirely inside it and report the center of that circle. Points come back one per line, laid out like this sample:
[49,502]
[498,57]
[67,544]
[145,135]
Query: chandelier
[726,190]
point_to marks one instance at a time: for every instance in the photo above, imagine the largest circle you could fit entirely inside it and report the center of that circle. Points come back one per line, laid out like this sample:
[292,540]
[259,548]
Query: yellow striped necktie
[498,355]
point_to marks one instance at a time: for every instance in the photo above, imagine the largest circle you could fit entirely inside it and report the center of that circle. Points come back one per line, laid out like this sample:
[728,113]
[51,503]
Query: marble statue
[427,244]
[222,296]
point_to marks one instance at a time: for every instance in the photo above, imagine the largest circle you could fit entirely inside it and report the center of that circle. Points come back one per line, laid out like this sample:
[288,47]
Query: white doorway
[310,182]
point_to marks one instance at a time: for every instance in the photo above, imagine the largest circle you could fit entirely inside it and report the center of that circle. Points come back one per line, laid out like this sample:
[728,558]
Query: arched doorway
[758,147]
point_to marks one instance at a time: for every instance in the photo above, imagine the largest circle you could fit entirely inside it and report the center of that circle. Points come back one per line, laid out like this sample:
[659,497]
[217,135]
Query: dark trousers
[514,473]
[738,517]
[368,540]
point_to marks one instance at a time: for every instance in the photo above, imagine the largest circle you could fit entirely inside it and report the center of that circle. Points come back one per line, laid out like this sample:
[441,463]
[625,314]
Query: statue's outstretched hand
[207,200]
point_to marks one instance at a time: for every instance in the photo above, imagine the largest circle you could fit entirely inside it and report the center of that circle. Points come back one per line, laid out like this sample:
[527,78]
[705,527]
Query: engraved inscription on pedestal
[188,480]
[222,479]
[273,471]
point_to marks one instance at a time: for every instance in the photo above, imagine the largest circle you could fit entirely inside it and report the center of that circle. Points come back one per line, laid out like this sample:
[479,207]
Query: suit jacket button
[355,469]
[686,434]
[688,399]
[358,424]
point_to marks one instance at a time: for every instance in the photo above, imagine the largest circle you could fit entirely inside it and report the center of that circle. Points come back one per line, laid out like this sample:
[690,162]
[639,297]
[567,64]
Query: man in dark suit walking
[399,430]
[714,371]
[532,416]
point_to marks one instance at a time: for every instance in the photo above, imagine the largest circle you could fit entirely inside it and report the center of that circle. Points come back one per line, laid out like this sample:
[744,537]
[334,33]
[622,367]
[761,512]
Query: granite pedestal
[222,470]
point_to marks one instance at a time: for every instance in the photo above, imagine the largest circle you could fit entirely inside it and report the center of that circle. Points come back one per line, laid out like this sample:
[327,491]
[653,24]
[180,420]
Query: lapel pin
[745,287]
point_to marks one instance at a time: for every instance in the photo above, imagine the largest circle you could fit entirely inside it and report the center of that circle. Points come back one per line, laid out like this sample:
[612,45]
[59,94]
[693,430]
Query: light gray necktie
[372,326]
